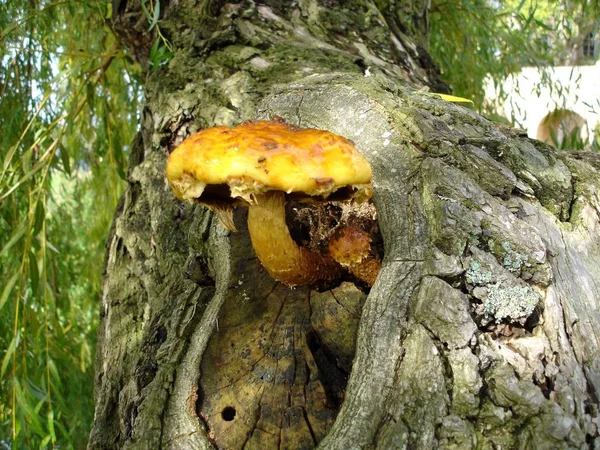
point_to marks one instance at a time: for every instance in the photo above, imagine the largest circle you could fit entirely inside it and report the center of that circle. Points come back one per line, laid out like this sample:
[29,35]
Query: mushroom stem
[283,259]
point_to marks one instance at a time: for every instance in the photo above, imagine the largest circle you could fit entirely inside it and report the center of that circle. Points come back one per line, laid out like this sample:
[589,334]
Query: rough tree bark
[483,328]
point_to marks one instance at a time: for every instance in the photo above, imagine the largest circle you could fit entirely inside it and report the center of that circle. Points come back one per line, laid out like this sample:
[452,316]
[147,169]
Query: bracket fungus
[259,163]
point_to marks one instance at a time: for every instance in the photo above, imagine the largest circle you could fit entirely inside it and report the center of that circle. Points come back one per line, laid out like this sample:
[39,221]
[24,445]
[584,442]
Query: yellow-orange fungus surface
[349,245]
[259,156]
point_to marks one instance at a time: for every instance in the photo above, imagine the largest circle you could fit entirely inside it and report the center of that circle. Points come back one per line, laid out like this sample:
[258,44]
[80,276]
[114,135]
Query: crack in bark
[342,306]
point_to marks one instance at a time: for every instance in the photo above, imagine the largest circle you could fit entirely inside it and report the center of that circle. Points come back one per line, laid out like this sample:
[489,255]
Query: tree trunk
[483,327]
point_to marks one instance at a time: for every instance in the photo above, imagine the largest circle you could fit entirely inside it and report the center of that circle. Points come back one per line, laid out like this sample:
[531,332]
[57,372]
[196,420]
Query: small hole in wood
[228,413]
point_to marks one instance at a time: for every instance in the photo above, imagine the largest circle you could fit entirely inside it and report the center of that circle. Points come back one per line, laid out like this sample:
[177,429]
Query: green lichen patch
[514,260]
[503,296]
[477,276]
[502,301]
[510,302]
[511,259]
[517,246]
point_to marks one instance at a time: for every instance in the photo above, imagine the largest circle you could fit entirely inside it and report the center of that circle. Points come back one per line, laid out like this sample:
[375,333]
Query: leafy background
[70,98]
[68,111]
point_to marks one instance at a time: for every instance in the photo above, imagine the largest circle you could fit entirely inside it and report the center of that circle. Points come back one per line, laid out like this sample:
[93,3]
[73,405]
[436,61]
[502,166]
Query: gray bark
[482,330]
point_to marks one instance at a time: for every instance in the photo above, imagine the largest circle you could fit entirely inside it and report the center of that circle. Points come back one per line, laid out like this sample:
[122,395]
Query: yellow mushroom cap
[259,156]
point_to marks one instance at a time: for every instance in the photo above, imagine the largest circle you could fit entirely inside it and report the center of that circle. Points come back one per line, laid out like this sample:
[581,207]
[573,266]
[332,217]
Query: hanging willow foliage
[68,111]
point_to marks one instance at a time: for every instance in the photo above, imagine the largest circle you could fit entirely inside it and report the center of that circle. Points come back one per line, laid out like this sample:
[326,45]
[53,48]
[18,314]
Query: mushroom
[351,247]
[260,162]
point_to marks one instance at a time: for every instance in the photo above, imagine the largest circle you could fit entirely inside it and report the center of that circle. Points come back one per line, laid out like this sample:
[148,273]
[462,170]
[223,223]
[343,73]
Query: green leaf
[8,288]
[38,165]
[40,216]
[146,12]
[35,391]
[26,159]
[84,356]
[53,371]
[164,56]
[50,419]
[62,429]
[154,51]
[453,98]
[156,14]
[9,351]
[8,158]
[28,411]
[38,407]
[17,234]
[543,25]
[34,273]
[90,93]
[65,158]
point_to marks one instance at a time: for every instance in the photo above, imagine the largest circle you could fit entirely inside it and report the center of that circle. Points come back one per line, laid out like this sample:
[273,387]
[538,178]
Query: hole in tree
[228,413]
